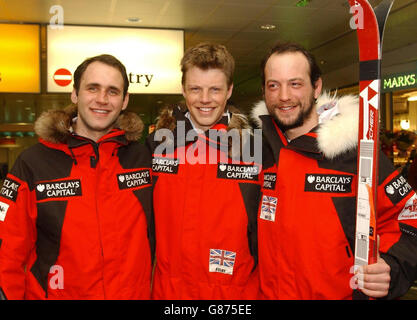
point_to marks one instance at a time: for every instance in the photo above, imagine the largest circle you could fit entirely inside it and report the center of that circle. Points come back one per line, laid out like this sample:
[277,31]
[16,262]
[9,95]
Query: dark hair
[208,56]
[106,59]
[280,48]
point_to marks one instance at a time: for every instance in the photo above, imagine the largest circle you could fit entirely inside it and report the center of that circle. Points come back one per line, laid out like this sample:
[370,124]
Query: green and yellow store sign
[400,81]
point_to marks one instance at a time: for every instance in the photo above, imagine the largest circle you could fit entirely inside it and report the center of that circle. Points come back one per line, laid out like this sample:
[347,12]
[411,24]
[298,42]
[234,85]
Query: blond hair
[208,56]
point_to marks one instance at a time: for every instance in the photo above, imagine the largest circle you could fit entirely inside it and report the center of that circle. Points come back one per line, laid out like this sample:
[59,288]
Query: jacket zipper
[94,163]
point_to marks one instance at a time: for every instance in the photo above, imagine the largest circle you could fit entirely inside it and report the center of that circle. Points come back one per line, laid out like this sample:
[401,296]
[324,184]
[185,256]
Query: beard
[304,115]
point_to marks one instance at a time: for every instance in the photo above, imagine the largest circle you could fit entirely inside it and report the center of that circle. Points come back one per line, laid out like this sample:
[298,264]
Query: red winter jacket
[306,219]
[76,216]
[205,219]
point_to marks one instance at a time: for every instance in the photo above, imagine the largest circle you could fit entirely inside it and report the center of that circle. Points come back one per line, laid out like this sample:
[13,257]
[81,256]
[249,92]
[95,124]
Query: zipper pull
[93,162]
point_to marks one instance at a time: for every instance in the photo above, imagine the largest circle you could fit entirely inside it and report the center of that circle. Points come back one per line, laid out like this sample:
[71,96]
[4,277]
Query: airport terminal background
[247,40]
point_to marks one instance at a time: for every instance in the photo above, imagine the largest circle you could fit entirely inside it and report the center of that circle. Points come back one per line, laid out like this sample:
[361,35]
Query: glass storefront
[400,142]
[399,135]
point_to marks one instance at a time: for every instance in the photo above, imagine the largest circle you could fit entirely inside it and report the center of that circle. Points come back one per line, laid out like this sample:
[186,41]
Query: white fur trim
[340,133]
[258,110]
[335,135]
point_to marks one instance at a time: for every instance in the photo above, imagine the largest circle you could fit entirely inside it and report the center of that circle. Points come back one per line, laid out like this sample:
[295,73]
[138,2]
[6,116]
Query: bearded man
[306,218]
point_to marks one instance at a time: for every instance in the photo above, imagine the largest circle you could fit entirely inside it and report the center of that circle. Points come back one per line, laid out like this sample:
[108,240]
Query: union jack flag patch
[222,261]
[410,209]
[268,208]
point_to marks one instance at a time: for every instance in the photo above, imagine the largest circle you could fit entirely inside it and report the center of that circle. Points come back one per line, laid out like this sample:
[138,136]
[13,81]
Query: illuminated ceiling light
[413,98]
[302,3]
[405,124]
[268,27]
[134,19]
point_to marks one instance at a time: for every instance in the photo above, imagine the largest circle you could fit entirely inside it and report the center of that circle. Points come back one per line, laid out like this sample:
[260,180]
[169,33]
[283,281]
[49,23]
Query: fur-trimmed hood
[167,120]
[55,125]
[232,118]
[337,132]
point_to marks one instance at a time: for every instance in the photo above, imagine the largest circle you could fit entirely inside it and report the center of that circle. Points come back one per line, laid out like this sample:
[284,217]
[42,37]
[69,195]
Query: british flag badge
[410,209]
[3,210]
[222,261]
[268,208]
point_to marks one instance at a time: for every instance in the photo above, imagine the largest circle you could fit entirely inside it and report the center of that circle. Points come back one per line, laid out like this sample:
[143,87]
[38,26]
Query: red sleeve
[17,231]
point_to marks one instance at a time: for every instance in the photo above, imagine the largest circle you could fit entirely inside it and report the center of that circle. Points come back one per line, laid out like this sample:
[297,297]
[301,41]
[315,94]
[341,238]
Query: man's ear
[230,91]
[125,101]
[317,87]
[74,96]
[183,91]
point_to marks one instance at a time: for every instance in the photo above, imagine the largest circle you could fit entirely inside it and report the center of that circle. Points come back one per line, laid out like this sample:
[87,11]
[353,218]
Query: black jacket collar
[305,144]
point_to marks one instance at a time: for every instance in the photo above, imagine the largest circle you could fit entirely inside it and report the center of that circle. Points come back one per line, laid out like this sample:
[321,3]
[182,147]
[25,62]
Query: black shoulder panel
[347,162]
[271,137]
[268,159]
[251,196]
[343,206]
[150,142]
[144,196]
[2,295]
[39,163]
[134,155]
[49,223]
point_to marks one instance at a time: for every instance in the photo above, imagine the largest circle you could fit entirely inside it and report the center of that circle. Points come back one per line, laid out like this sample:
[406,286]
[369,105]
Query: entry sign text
[151,56]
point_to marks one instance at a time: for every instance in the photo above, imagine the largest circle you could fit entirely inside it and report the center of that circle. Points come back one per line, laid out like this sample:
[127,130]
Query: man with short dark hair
[76,209]
[306,218]
[205,195]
